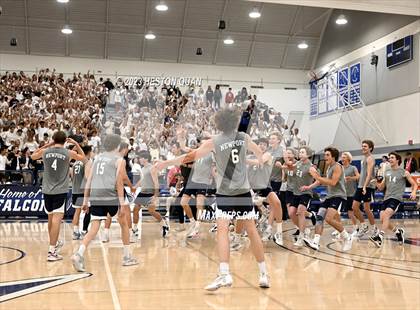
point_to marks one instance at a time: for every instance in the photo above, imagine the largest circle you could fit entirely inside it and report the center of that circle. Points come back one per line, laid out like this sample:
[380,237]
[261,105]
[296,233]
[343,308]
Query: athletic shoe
[307,233]
[355,233]
[400,235]
[133,238]
[213,228]
[264,281]
[78,262]
[76,235]
[83,234]
[313,218]
[105,238]
[375,230]
[52,257]
[236,245]
[58,246]
[363,229]
[299,242]
[165,231]
[223,280]
[311,244]
[135,232]
[347,244]
[129,261]
[195,231]
[267,234]
[278,238]
[335,234]
[375,240]
[296,234]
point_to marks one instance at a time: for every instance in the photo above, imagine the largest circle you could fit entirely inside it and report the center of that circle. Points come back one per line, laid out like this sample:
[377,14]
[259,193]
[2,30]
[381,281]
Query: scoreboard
[399,52]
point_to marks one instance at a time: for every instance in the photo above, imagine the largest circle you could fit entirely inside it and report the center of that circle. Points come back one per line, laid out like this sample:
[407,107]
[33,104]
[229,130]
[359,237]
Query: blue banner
[18,200]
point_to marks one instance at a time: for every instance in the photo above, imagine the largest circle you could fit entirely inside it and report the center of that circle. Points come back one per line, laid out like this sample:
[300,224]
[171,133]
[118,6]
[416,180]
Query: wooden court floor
[173,272]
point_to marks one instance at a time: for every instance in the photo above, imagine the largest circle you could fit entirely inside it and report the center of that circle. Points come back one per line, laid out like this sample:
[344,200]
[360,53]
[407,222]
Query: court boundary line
[22,255]
[111,284]
[387,259]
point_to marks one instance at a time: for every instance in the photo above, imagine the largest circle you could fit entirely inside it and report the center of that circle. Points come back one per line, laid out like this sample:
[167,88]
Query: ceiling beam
[181,39]
[252,47]
[106,31]
[219,32]
[311,23]
[27,47]
[292,29]
[146,26]
[318,46]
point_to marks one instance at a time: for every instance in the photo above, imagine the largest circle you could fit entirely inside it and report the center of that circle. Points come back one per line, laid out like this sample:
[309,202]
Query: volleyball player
[55,185]
[365,189]
[351,176]
[149,195]
[77,174]
[123,152]
[290,175]
[105,193]
[302,194]
[394,182]
[233,191]
[200,181]
[259,177]
[336,196]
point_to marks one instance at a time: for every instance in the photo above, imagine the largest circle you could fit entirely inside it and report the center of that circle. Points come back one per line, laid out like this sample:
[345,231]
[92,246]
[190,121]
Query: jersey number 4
[54,165]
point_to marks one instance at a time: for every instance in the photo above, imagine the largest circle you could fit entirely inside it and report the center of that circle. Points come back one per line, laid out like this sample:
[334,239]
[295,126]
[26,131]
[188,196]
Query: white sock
[316,238]
[106,231]
[81,250]
[355,227]
[127,251]
[269,228]
[192,220]
[76,228]
[297,227]
[134,226]
[51,249]
[301,235]
[262,267]
[280,227]
[224,268]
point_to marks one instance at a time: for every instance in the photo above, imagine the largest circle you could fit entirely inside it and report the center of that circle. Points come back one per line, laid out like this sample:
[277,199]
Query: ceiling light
[228,41]
[62,1]
[303,45]
[66,30]
[341,20]
[255,13]
[150,36]
[161,7]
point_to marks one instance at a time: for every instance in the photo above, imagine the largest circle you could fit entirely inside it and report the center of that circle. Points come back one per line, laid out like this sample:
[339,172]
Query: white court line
[111,283]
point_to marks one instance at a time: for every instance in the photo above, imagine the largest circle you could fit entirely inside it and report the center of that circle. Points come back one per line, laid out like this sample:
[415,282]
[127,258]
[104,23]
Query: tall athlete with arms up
[55,185]
[233,190]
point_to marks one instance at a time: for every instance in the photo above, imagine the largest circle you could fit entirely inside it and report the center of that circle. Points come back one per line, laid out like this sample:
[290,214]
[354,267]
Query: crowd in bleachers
[156,119]
[33,107]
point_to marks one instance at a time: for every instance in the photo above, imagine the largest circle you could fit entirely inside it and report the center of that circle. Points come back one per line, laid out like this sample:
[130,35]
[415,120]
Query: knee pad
[320,216]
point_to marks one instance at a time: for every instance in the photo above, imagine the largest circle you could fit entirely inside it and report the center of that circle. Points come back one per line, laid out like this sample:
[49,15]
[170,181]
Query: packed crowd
[33,107]
[158,120]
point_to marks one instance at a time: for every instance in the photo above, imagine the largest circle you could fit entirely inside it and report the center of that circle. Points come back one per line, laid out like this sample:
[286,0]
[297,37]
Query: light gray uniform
[201,172]
[259,177]
[363,174]
[339,190]
[303,178]
[291,180]
[147,184]
[56,171]
[230,153]
[78,177]
[276,173]
[350,171]
[394,183]
[104,178]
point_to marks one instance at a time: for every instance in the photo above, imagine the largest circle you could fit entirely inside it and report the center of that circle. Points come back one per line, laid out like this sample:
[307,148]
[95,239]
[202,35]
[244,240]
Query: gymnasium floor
[173,272]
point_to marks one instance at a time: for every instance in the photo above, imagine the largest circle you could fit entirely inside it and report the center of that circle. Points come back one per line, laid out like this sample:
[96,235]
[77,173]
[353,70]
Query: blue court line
[22,255]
